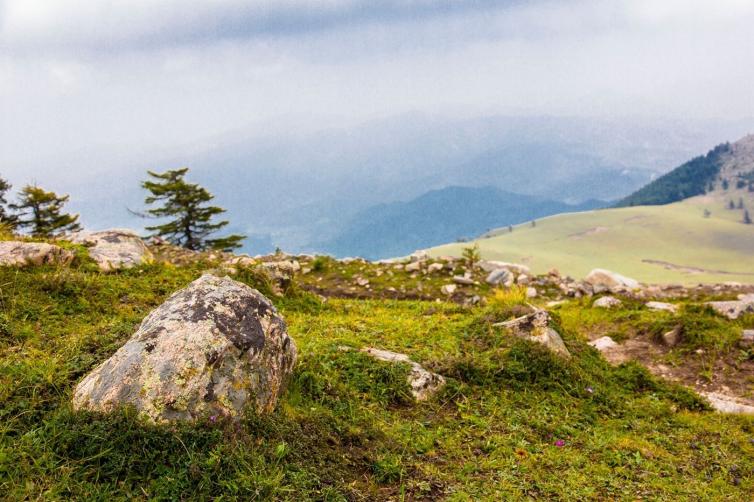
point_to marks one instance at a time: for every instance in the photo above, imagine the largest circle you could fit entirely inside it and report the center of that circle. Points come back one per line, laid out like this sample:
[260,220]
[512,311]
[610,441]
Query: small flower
[559,443]
[213,418]
[590,390]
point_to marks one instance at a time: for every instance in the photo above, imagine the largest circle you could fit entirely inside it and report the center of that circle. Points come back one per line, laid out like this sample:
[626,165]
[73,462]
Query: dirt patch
[587,233]
[687,269]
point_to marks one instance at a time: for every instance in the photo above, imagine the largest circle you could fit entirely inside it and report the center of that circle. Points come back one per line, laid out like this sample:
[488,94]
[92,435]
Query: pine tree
[747,218]
[41,212]
[740,203]
[731,204]
[192,217]
[8,219]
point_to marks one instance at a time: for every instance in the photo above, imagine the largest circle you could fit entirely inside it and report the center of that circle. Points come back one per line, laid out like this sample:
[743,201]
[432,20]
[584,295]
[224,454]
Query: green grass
[514,421]
[621,239]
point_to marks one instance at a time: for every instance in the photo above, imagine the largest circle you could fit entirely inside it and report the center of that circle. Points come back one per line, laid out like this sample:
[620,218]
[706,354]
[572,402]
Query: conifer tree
[747,218]
[740,203]
[186,204]
[731,204]
[7,218]
[42,213]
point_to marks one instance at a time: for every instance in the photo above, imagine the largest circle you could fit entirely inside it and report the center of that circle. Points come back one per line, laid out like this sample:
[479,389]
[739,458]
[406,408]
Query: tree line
[187,218]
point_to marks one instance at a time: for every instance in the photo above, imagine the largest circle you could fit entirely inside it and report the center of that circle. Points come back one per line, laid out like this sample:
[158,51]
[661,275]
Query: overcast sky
[120,75]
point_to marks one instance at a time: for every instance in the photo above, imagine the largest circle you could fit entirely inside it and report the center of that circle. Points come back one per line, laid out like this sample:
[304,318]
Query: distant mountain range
[691,225]
[449,214]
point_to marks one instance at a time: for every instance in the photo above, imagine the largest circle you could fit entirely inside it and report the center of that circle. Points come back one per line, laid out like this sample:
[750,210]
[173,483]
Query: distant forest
[692,178]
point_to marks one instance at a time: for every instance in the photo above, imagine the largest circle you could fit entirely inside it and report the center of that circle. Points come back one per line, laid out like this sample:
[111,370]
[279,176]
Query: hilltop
[700,236]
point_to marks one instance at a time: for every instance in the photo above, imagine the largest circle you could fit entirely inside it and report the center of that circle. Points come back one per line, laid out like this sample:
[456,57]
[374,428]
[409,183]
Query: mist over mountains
[306,191]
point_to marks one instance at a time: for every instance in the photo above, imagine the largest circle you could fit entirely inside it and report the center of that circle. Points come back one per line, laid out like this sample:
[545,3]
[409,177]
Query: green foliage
[683,182]
[40,211]
[471,255]
[7,219]
[186,202]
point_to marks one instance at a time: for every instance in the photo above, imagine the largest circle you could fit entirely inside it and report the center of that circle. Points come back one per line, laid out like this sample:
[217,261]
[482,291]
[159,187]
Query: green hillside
[674,243]
[515,422]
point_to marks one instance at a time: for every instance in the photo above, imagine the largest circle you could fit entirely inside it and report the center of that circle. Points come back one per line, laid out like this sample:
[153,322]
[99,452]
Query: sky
[113,77]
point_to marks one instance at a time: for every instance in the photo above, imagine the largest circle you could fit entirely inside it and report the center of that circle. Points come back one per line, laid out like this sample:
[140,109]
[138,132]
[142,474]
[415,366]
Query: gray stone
[448,289]
[531,292]
[500,276]
[213,348]
[492,265]
[603,344]
[114,249]
[424,384]
[673,337]
[733,309]
[727,404]
[435,267]
[662,306]
[535,327]
[603,280]
[607,302]
[463,280]
[21,254]
[747,338]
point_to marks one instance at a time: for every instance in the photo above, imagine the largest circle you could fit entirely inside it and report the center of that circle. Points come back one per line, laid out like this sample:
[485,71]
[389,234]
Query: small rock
[727,404]
[448,289]
[424,384]
[607,302]
[21,254]
[419,255]
[747,339]
[114,249]
[662,306]
[361,281]
[733,309]
[603,280]
[500,276]
[414,266]
[523,279]
[673,337]
[603,344]
[536,328]
[531,292]
[435,267]
[463,280]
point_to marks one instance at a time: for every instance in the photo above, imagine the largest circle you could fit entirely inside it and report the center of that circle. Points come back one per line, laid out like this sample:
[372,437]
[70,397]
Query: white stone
[424,384]
[21,254]
[603,344]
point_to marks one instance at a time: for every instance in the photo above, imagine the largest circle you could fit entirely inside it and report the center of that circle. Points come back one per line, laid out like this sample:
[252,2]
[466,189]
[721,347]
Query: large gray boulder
[114,249]
[211,349]
[21,254]
[603,280]
[735,308]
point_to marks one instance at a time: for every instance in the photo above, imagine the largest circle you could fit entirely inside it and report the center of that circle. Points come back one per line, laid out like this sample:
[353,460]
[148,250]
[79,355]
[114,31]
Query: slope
[671,243]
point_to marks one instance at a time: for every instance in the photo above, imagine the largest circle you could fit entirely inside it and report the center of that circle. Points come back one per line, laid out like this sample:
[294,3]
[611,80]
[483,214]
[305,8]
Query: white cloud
[138,73]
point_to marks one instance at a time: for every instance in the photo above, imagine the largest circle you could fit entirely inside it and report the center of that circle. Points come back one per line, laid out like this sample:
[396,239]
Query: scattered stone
[21,254]
[424,384]
[361,281]
[419,255]
[523,279]
[607,302]
[536,328]
[727,404]
[673,337]
[531,292]
[662,306]
[747,339]
[210,349]
[114,249]
[463,280]
[448,289]
[500,276]
[414,266]
[281,272]
[491,266]
[435,267]
[603,280]
[733,309]
[603,344]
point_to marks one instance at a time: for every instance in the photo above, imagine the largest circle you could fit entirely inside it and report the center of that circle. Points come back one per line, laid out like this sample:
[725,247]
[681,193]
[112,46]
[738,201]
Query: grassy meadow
[513,423]
[674,243]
